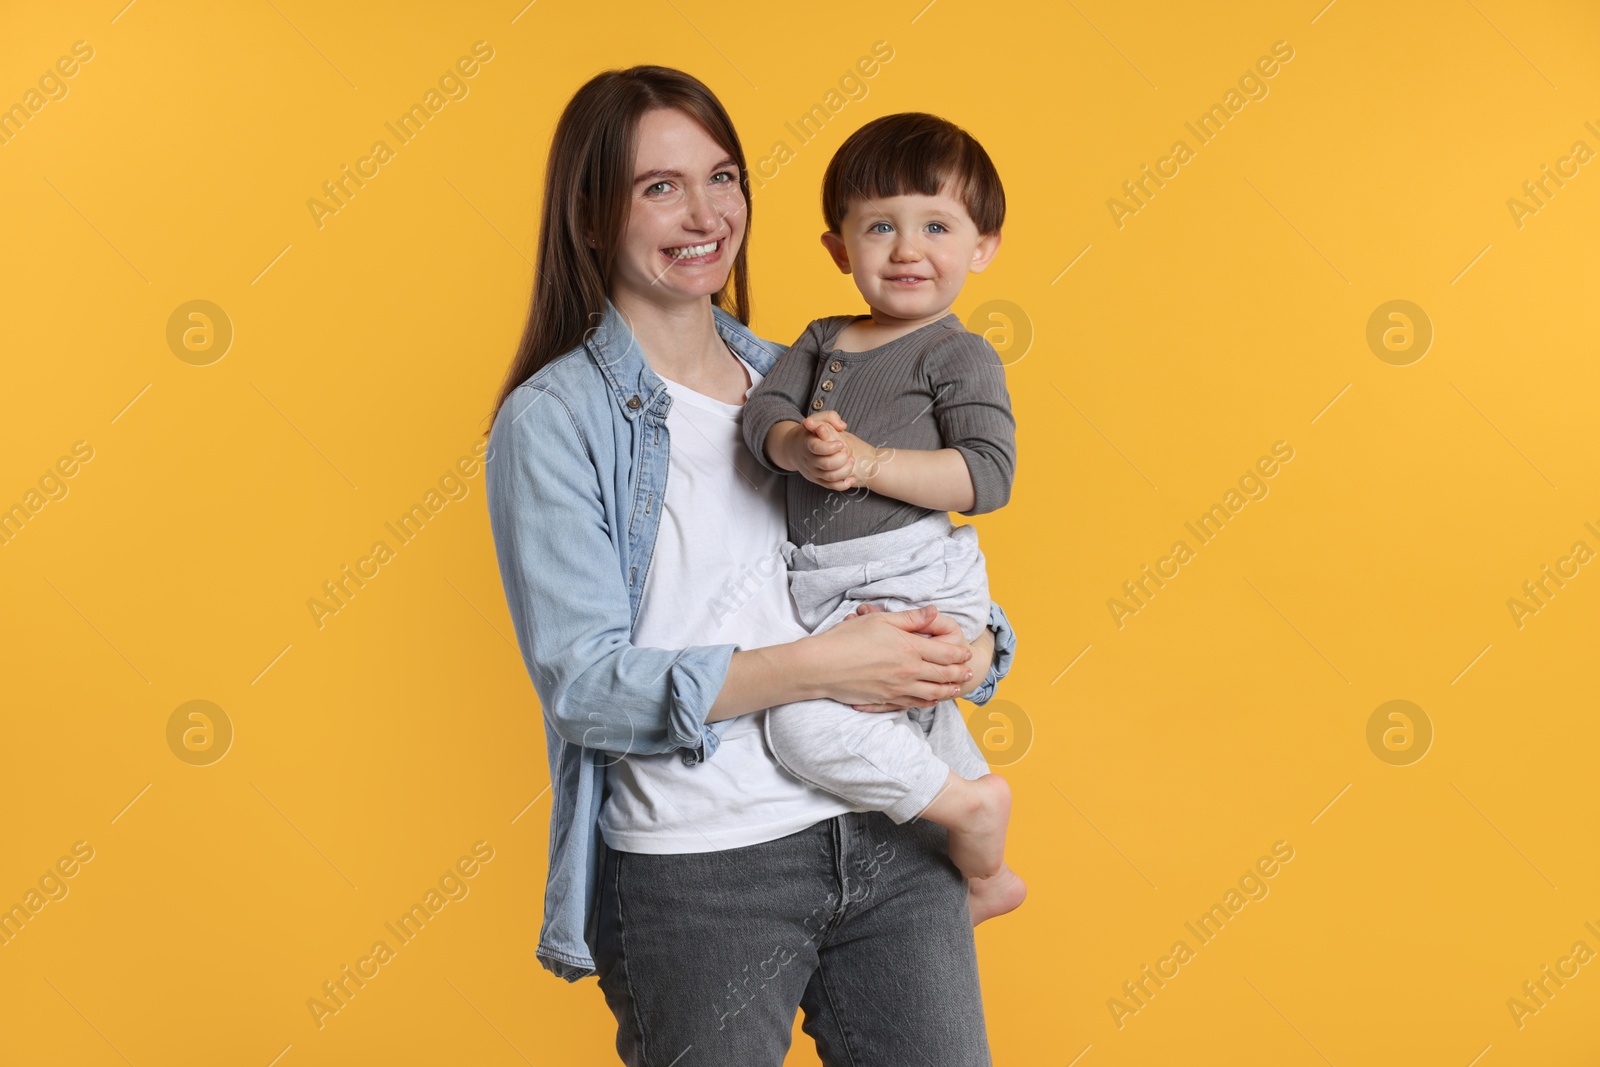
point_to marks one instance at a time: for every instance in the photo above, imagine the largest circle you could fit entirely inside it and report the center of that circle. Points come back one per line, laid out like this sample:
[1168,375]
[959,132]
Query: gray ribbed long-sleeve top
[938,386]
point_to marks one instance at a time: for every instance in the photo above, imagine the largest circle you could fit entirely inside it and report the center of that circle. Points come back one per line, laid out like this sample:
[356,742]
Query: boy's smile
[909,255]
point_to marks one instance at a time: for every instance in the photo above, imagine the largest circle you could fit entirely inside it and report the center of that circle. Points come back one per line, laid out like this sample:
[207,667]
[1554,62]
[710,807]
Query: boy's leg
[877,760]
[950,739]
[881,760]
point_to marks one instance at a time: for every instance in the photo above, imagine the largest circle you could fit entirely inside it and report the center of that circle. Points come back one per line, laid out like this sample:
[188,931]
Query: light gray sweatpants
[893,762]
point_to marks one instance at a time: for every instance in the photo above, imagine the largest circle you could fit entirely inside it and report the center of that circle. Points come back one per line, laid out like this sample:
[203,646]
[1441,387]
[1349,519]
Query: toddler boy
[887,422]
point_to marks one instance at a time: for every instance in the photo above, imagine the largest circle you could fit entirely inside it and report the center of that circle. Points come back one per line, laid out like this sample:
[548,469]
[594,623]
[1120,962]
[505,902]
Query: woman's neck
[681,344]
[675,337]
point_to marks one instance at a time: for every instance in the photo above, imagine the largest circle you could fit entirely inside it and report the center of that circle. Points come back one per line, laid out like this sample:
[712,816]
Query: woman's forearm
[763,678]
[845,668]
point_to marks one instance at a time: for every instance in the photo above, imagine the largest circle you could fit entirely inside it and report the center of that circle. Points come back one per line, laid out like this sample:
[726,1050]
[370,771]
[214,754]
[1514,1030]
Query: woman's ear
[835,246]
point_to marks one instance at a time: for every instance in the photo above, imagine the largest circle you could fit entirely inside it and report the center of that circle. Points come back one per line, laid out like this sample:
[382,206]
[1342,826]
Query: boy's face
[909,255]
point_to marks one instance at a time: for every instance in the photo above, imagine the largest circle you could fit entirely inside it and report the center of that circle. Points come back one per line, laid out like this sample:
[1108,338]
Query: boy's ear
[984,252]
[835,246]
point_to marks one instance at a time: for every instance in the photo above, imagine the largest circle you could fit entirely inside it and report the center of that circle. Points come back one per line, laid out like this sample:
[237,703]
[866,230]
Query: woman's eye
[658,185]
[728,174]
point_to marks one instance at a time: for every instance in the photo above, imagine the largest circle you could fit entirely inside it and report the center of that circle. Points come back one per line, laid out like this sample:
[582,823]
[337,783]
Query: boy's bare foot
[975,813]
[988,897]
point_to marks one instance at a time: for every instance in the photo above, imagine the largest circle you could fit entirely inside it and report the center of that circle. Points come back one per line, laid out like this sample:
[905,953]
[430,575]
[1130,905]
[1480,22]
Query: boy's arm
[779,396]
[973,474]
[973,410]
[937,479]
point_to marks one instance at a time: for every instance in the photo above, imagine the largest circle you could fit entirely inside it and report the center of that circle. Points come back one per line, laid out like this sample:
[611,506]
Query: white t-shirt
[716,577]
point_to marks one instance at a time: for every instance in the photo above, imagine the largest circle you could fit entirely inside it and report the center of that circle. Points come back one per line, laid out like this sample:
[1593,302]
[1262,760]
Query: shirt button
[816,405]
[827,386]
[633,402]
[836,366]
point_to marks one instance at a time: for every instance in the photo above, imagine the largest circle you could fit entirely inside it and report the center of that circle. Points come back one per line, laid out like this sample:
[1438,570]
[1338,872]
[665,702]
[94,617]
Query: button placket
[827,385]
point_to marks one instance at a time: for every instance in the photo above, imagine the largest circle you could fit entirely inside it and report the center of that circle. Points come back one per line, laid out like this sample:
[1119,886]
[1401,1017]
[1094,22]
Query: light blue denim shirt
[576,476]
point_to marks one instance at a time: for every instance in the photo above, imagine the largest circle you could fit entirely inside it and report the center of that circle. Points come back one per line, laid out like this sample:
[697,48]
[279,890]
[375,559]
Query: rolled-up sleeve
[1005,648]
[569,601]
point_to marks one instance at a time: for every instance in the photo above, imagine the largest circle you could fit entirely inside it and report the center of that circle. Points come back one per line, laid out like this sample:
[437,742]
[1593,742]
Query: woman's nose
[702,211]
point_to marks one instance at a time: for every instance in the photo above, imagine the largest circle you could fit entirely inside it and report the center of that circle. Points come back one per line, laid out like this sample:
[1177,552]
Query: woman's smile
[695,255]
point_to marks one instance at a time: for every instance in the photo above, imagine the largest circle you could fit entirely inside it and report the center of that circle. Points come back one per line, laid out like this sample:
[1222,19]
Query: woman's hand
[982,657]
[881,660]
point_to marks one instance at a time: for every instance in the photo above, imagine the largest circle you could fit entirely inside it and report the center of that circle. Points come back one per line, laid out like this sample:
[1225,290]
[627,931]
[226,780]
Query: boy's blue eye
[874,227]
[940,227]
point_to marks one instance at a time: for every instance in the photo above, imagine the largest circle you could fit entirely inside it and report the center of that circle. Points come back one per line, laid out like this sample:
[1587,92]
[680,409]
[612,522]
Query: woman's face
[686,214]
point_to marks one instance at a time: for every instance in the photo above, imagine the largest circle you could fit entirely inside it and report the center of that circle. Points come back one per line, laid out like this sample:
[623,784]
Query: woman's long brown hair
[587,189]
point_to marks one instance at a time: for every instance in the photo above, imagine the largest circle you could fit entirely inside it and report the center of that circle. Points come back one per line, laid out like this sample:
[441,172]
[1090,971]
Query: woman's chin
[677,287]
[695,286]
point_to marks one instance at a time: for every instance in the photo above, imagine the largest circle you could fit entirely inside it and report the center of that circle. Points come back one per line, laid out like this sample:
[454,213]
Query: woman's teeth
[692,251]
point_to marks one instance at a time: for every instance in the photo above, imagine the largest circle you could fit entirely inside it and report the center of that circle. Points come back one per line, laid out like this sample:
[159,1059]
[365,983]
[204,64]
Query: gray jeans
[860,922]
[893,762]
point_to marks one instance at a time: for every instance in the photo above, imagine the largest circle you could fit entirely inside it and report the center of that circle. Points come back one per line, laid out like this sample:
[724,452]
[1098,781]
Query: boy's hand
[794,447]
[831,417]
[833,463]
[860,459]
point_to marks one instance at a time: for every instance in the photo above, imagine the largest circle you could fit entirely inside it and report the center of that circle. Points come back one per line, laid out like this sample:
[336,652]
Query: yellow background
[1227,314]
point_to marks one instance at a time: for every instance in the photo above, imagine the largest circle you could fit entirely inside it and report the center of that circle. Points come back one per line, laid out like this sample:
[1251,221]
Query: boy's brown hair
[913,152]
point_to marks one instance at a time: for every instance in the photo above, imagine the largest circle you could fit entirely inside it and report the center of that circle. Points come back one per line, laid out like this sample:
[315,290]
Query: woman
[712,892]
